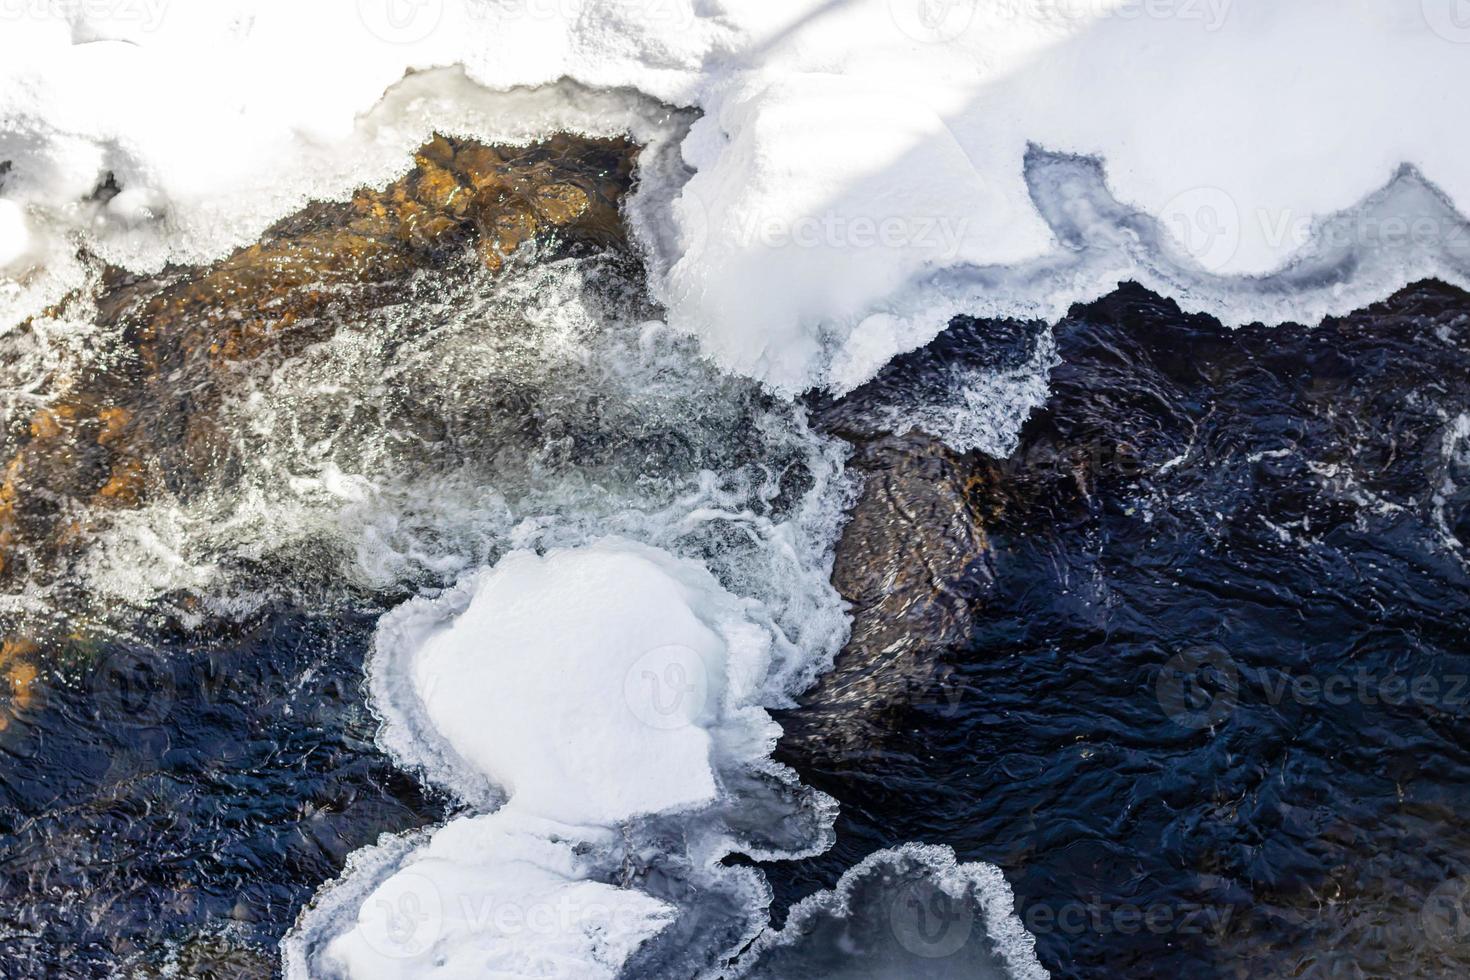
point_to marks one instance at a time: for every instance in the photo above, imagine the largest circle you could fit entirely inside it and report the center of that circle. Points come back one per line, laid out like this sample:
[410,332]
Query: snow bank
[499,895]
[862,171]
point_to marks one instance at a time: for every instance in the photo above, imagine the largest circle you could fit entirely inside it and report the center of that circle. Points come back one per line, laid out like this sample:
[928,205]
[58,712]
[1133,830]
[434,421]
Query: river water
[1202,696]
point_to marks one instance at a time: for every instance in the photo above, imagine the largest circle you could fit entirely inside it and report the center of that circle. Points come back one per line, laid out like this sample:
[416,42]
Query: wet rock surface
[913,560]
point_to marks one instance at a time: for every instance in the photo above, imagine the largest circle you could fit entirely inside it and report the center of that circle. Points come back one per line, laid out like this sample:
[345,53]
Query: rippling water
[1210,710]
[1207,705]
[181,800]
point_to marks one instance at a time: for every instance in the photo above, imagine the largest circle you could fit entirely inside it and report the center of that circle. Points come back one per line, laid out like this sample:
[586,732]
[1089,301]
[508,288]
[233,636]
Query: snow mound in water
[859,174]
[501,895]
[591,685]
[612,695]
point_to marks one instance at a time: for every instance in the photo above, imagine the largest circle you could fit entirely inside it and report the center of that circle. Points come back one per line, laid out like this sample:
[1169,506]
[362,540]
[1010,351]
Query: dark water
[1210,714]
[181,800]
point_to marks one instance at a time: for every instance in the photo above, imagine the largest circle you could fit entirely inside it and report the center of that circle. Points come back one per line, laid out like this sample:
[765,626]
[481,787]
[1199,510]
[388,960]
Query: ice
[500,895]
[912,911]
[859,174]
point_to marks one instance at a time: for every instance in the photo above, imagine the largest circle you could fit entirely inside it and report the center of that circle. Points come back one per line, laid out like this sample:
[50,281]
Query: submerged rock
[912,561]
[136,416]
[139,418]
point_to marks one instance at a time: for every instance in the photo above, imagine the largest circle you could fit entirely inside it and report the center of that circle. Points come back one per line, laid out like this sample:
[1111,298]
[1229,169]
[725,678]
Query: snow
[860,170]
[588,684]
[498,895]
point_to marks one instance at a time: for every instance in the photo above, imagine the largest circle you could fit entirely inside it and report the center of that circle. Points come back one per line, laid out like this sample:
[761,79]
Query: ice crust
[860,173]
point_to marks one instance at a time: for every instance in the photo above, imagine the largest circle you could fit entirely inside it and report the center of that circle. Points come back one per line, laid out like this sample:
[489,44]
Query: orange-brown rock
[145,415]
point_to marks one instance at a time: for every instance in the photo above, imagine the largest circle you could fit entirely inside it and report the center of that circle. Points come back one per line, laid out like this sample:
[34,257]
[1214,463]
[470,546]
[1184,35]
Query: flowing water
[1210,704]
[1198,685]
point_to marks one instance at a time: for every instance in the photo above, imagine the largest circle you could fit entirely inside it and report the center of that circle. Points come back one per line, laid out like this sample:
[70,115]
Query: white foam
[859,174]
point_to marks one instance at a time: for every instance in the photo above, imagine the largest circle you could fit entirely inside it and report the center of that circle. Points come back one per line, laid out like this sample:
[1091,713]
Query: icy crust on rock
[612,696]
[909,911]
[859,173]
